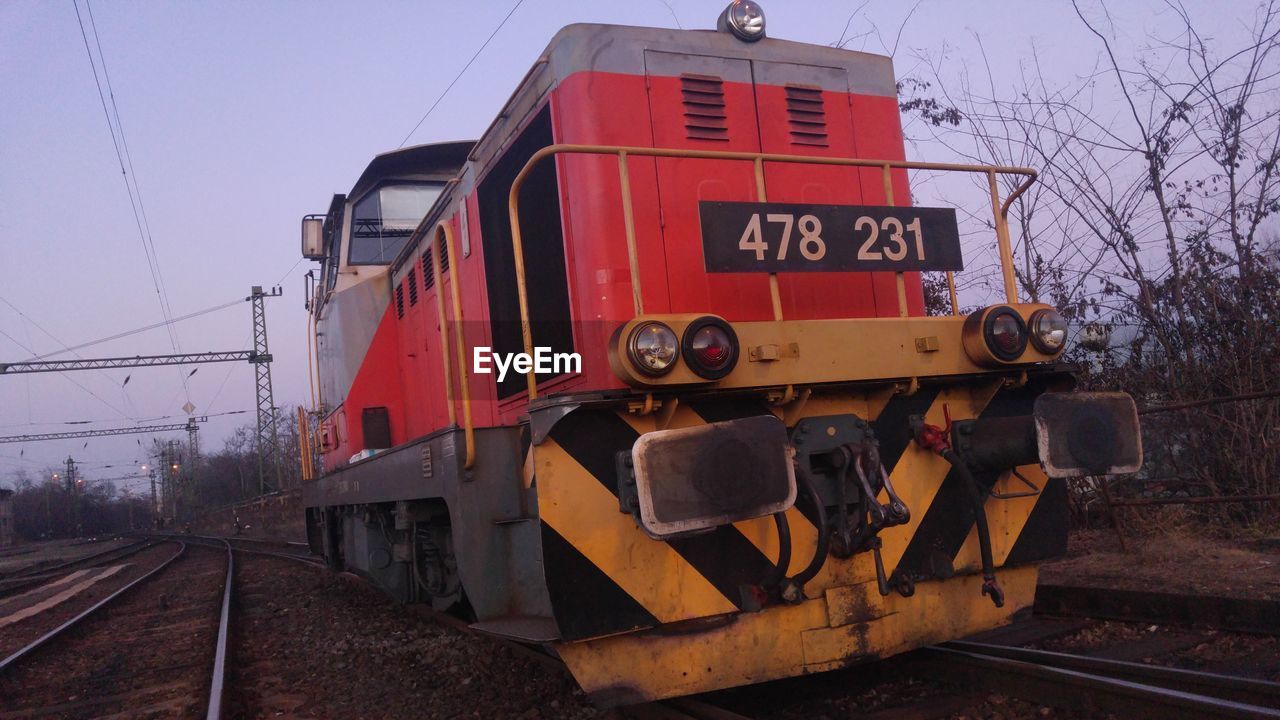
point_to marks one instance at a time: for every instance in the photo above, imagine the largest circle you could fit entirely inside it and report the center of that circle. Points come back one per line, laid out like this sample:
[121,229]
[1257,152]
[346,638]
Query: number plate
[786,237]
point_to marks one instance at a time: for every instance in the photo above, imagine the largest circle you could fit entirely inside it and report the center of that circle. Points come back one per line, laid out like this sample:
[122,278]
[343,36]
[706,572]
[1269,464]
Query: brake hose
[793,587]
[779,570]
[989,584]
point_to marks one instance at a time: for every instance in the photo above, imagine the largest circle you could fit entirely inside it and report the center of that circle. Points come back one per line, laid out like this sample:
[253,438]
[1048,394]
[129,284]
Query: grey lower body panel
[378,505]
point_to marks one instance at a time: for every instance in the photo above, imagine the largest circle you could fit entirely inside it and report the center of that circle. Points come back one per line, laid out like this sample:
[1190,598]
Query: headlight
[1048,331]
[1005,333]
[743,18]
[710,347]
[653,348]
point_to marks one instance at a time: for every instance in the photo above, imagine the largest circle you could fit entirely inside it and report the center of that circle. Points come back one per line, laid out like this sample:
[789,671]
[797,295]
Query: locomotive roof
[443,159]
[623,49]
[613,48]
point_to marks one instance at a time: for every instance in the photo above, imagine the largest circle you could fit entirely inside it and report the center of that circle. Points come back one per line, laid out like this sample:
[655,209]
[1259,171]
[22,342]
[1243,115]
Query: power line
[139,421]
[460,72]
[142,209]
[69,378]
[37,366]
[27,319]
[121,147]
[127,333]
[227,376]
[145,429]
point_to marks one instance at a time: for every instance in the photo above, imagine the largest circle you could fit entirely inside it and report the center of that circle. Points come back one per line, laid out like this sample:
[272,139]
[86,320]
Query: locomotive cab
[355,242]
[768,460]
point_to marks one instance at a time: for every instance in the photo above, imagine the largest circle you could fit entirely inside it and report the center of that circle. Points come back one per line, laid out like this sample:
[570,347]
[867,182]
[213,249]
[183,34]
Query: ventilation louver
[412,282]
[806,116]
[428,272]
[400,300]
[704,108]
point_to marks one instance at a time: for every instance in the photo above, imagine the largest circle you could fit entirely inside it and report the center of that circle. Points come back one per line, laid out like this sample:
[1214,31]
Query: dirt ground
[1175,562]
[310,644]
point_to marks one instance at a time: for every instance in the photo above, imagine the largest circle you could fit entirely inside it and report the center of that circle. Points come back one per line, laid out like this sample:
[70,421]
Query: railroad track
[253,546]
[1249,615]
[132,652]
[1059,679]
[678,709]
[20,581]
[48,565]
[1099,685]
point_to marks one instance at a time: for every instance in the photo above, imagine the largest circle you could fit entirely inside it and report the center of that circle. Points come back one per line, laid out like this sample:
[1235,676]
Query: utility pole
[172,466]
[268,443]
[155,514]
[268,440]
[73,496]
[128,501]
[193,454]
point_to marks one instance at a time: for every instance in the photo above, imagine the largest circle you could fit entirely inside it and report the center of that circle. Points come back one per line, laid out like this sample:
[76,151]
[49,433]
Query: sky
[240,118]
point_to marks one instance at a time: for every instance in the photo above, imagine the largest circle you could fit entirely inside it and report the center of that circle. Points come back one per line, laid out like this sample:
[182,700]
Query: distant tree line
[44,507]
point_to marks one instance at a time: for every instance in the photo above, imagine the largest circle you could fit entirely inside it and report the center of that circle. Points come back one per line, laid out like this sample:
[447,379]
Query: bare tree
[1154,220]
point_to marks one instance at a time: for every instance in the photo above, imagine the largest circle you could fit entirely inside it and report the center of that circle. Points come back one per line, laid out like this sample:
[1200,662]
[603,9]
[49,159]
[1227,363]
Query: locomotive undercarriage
[881,551]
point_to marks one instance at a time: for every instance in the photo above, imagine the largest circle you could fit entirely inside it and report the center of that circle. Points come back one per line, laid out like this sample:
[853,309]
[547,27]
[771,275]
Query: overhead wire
[232,366]
[121,147]
[136,331]
[68,377]
[27,319]
[460,73]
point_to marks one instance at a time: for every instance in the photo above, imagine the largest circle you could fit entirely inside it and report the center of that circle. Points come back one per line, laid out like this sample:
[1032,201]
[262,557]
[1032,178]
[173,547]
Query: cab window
[384,219]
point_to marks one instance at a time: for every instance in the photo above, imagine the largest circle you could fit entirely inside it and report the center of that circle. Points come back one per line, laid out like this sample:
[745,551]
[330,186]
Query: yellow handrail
[444,325]
[304,445]
[444,233]
[999,209]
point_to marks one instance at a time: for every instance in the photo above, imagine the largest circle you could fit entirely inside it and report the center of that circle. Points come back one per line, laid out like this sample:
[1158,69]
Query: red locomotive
[645,373]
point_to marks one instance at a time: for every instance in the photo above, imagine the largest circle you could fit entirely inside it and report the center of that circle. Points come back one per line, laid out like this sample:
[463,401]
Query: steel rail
[264,541]
[39,642]
[1228,687]
[685,708]
[1249,615]
[213,540]
[217,685]
[38,569]
[1059,685]
[10,586]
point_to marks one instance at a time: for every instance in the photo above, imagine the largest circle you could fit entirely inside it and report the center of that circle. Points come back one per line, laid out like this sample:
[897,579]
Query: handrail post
[775,295]
[468,428]
[444,324]
[1002,237]
[628,221]
[758,158]
[899,279]
[517,245]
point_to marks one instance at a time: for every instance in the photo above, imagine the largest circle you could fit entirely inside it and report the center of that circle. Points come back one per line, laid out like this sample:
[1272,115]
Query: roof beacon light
[743,18]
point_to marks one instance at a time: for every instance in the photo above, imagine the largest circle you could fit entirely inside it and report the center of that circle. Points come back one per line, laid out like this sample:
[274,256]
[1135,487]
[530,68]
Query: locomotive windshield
[385,218]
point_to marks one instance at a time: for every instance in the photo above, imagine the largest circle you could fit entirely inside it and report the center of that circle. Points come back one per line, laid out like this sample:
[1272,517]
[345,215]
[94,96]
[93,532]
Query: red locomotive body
[673,98]
[638,504]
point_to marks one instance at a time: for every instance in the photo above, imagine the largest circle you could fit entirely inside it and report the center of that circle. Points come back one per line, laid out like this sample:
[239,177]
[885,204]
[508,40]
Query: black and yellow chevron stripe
[606,576]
